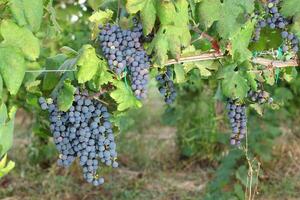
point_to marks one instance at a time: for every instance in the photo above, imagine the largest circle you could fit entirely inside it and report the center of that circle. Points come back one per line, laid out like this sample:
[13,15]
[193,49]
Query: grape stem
[214,56]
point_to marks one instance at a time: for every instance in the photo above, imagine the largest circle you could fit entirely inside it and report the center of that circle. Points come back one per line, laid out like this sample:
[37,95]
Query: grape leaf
[205,10]
[66,96]
[251,80]
[269,77]
[5,166]
[226,15]
[28,12]
[6,132]
[124,97]
[3,114]
[289,8]
[240,41]
[234,85]
[147,10]
[88,63]
[16,7]
[95,4]
[12,63]
[103,76]
[173,33]
[1,86]
[20,37]
[296,25]
[203,66]
[34,13]
[99,17]
[180,73]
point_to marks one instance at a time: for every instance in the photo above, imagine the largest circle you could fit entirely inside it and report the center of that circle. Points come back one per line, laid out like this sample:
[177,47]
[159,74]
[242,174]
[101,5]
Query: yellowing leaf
[88,63]
[99,17]
[5,167]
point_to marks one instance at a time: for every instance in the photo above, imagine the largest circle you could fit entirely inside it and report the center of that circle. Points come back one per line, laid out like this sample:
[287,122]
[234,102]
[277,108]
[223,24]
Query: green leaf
[227,15]
[238,190]
[6,133]
[296,25]
[205,10]
[289,8]
[34,13]
[88,63]
[173,33]
[51,79]
[5,167]
[103,76]
[1,87]
[12,63]
[147,12]
[124,97]
[240,42]
[269,77]
[20,37]
[66,96]
[99,17]
[203,66]
[95,4]
[32,86]
[290,74]
[27,12]
[17,9]
[3,114]
[234,85]
[180,73]
[251,80]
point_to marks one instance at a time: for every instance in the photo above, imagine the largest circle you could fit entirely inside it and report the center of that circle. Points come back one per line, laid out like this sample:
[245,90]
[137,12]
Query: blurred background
[177,152]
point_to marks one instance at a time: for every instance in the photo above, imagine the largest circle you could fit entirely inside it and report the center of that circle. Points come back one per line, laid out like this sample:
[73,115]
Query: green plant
[198,41]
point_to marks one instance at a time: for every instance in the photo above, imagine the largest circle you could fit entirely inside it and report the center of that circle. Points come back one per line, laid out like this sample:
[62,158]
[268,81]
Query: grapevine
[80,93]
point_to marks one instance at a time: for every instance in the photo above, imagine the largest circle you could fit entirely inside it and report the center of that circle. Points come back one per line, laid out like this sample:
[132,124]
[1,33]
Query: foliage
[48,48]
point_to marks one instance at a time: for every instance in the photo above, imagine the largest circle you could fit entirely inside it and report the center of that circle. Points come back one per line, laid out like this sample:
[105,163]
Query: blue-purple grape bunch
[84,131]
[260,96]
[238,121]
[274,20]
[166,86]
[125,53]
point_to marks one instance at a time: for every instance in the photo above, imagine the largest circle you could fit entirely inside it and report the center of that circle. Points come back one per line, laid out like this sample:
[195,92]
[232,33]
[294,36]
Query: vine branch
[215,56]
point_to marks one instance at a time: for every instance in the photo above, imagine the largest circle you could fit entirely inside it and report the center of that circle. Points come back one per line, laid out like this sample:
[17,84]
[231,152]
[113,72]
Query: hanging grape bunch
[275,20]
[166,86]
[260,96]
[238,121]
[83,131]
[123,50]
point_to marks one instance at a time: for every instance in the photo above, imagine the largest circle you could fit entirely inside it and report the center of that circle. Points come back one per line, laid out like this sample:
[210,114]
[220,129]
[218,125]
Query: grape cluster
[238,120]
[123,50]
[261,24]
[290,39]
[260,96]
[83,131]
[275,20]
[166,86]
